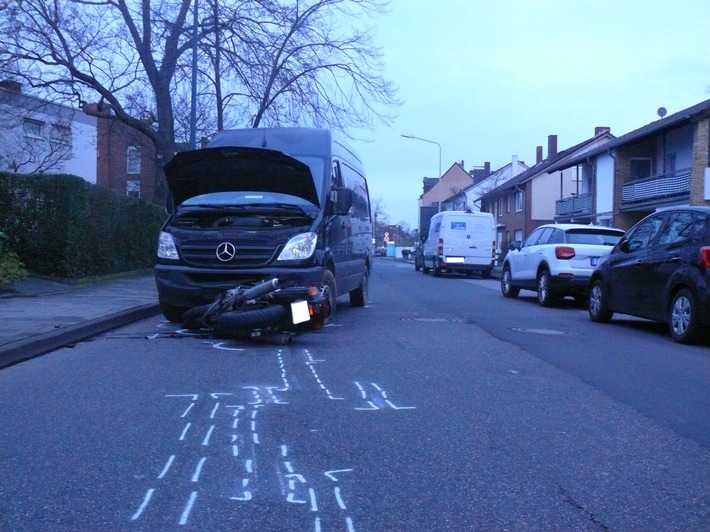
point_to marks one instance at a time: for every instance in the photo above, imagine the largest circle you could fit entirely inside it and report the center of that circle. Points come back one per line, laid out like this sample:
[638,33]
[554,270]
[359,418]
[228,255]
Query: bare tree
[276,62]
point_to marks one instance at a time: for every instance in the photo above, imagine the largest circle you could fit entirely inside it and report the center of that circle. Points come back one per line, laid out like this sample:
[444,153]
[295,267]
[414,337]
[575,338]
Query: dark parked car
[660,270]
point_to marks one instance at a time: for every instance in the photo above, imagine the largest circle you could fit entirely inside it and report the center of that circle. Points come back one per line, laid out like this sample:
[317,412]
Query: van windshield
[253,200]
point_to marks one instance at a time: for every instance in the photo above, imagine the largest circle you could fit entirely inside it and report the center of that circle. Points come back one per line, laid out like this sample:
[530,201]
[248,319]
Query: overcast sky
[491,79]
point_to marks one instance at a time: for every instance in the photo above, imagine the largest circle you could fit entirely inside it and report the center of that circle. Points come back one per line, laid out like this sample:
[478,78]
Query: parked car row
[658,270]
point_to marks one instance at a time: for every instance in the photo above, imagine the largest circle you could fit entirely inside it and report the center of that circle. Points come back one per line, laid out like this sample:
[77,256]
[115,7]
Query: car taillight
[564,252]
[705,256]
[440,249]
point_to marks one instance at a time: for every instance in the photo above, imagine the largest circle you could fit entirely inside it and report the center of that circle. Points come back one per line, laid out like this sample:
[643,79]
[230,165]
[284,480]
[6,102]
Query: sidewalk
[40,315]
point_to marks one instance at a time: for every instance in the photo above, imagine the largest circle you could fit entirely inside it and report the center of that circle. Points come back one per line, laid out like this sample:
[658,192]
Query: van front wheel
[328,290]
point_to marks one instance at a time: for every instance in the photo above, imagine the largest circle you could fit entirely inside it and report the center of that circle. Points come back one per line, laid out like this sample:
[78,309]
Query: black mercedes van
[261,203]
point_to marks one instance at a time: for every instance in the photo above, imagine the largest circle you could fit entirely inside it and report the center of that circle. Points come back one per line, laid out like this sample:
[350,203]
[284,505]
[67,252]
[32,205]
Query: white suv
[556,261]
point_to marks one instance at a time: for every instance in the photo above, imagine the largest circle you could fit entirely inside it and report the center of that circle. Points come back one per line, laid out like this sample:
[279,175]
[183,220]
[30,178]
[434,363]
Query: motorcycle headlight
[166,247]
[299,247]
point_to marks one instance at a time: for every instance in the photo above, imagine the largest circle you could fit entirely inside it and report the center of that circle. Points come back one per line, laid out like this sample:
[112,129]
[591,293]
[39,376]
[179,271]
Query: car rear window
[593,236]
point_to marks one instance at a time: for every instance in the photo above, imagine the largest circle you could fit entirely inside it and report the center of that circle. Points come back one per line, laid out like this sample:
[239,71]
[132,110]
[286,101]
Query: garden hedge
[62,226]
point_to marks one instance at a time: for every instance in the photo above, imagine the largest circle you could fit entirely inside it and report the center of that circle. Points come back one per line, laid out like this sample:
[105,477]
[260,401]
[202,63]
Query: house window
[518,201]
[61,135]
[500,206]
[640,168]
[133,188]
[134,159]
[32,128]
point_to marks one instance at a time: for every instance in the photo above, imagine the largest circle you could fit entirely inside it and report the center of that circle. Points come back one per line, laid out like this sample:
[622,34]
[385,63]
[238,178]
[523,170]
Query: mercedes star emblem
[226,251]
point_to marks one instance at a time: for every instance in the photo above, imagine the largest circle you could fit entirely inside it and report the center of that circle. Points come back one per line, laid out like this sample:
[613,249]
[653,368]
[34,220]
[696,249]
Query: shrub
[62,226]
[11,268]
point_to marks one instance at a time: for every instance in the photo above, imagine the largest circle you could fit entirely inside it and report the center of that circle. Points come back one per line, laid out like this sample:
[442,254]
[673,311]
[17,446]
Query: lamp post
[439,145]
[193,99]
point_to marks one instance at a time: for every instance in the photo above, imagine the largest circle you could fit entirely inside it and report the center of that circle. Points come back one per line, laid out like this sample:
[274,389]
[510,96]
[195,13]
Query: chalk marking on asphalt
[317,524]
[373,406]
[248,465]
[349,522]
[214,410]
[144,504]
[292,498]
[215,395]
[362,390]
[188,508]
[331,474]
[198,469]
[193,395]
[394,407]
[256,438]
[288,467]
[167,466]
[235,450]
[188,410]
[339,499]
[246,495]
[184,431]
[206,441]
[221,346]
[314,504]
[284,450]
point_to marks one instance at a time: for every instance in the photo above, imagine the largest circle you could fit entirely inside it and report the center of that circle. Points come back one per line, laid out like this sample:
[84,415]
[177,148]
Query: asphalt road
[439,406]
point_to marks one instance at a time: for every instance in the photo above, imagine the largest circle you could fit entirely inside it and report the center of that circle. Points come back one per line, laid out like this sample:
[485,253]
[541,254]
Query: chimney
[514,165]
[601,129]
[538,155]
[551,146]
[486,169]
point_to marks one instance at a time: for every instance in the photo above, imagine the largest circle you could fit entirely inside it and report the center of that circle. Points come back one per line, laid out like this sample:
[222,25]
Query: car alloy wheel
[598,310]
[682,323]
[544,295]
[506,284]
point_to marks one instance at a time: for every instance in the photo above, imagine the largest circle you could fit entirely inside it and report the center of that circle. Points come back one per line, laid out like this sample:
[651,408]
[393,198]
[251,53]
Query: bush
[11,268]
[62,226]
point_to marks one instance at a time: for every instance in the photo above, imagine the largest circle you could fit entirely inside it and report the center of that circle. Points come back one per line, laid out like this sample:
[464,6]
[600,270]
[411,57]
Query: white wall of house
[496,179]
[546,191]
[604,187]
[32,129]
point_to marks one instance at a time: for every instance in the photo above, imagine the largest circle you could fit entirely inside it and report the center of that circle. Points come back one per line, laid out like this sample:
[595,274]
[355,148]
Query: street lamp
[439,145]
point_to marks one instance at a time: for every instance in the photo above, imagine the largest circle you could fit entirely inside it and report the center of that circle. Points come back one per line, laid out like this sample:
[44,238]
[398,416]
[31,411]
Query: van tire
[358,297]
[329,290]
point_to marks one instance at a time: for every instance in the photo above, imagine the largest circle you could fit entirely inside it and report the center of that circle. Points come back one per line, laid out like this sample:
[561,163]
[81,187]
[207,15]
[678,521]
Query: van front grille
[247,253]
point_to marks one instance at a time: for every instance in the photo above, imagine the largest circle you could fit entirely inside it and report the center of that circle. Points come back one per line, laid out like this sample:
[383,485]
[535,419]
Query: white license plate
[299,312]
[454,260]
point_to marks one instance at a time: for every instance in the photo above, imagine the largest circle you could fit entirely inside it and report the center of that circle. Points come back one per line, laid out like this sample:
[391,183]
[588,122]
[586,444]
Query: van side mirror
[342,199]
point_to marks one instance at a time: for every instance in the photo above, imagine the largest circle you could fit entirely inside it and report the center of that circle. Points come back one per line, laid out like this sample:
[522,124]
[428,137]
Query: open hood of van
[228,169]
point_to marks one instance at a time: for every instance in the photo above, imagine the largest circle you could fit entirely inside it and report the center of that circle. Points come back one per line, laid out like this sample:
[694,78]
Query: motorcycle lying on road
[270,310]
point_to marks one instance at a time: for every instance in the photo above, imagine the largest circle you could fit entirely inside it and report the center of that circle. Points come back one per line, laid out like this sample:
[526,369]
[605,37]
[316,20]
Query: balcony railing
[656,187]
[574,205]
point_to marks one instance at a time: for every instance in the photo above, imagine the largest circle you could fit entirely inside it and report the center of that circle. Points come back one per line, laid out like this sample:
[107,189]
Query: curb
[21,350]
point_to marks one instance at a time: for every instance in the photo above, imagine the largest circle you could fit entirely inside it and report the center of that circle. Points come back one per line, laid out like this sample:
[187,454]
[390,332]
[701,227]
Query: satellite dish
[662,112]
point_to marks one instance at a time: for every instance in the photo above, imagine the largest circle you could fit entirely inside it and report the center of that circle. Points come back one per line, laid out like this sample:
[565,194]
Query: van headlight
[166,247]
[299,247]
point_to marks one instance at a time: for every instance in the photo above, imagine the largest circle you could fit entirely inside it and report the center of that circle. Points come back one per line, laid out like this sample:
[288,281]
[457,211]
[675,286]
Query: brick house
[126,160]
[664,163]
[527,201]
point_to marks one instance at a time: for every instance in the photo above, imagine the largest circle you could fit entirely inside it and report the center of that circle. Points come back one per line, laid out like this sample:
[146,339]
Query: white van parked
[460,242]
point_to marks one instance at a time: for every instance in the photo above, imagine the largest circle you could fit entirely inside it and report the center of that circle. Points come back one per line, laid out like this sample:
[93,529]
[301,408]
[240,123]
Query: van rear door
[468,239]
